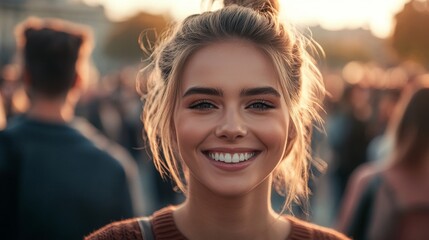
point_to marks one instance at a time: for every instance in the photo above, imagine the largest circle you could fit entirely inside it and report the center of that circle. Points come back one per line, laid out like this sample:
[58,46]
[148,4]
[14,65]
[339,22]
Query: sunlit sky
[375,15]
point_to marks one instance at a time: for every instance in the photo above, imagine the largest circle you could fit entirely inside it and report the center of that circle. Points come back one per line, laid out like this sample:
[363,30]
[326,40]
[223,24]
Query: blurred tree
[123,40]
[411,35]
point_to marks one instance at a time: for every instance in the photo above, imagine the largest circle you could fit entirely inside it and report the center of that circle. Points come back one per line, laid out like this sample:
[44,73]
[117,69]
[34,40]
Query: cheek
[274,134]
[190,132]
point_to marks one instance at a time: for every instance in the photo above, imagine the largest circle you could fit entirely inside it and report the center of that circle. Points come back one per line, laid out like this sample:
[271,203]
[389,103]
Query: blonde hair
[300,81]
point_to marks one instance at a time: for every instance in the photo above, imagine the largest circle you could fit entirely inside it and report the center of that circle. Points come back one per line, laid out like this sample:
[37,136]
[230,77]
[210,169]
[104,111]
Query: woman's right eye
[202,105]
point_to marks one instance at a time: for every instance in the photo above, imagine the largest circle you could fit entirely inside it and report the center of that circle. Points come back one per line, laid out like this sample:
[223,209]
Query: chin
[231,188]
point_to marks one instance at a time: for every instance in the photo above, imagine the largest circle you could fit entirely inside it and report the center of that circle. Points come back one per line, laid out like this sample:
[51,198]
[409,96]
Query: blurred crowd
[362,111]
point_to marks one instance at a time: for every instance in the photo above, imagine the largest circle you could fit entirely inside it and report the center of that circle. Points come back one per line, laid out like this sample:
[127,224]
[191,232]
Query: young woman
[230,98]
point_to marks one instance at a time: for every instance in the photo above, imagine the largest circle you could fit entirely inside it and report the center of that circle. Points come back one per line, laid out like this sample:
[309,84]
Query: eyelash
[264,105]
[202,105]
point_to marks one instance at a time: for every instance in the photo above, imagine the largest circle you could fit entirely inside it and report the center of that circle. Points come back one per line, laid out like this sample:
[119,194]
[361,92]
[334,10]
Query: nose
[232,126]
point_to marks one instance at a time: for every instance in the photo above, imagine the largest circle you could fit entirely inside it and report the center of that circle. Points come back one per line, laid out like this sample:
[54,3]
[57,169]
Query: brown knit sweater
[164,228]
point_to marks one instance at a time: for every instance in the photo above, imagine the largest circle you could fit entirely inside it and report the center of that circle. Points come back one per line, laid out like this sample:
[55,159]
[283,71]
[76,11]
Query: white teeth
[228,157]
[235,158]
[231,157]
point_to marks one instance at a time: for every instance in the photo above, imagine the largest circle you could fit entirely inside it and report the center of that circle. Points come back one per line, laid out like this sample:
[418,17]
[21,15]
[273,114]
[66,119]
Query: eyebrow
[244,93]
[204,91]
[259,91]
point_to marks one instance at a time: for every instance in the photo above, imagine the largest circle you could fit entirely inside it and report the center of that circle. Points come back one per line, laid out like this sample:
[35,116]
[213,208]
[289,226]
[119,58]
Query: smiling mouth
[230,157]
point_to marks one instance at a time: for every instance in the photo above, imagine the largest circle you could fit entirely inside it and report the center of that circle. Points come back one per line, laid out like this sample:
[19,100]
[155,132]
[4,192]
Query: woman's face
[231,121]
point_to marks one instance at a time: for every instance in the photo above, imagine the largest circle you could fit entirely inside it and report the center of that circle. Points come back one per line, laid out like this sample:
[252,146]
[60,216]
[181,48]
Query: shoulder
[122,230]
[8,148]
[162,224]
[365,172]
[104,145]
[360,178]
[362,182]
[301,230]
[15,126]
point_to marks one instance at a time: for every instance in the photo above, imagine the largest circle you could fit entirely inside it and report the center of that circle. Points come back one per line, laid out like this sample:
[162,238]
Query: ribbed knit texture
[303,230]
[127,229]
[164,228]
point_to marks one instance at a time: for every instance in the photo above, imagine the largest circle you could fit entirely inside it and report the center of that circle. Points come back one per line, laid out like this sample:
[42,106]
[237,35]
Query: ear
[27,81]
[291,138]
[76,90]
[78,83]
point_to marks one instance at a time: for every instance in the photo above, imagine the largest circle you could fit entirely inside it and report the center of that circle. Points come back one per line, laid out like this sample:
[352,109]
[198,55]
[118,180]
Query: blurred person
[116,111]
[56,182]
[391,201]
[231,98]
[15,101]
[381,145]
[348,136]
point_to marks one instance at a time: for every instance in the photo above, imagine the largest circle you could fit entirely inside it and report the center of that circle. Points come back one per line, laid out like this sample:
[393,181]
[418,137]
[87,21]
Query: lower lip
[231,167]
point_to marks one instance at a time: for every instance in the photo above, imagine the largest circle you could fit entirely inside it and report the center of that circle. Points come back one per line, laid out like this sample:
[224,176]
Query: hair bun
[263,6]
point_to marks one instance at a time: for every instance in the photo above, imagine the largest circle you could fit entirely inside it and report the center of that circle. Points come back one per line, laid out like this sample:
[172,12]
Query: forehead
[228,64]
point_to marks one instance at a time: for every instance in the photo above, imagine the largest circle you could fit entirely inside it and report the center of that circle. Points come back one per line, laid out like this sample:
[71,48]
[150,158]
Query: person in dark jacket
[57,183]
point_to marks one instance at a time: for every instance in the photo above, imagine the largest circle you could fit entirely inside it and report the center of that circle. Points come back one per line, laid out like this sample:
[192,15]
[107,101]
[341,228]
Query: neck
[205,215]
[51,110]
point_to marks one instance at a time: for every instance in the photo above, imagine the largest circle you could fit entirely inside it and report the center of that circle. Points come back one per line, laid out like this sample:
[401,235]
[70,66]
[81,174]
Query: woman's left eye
[202,105]
[260,105]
